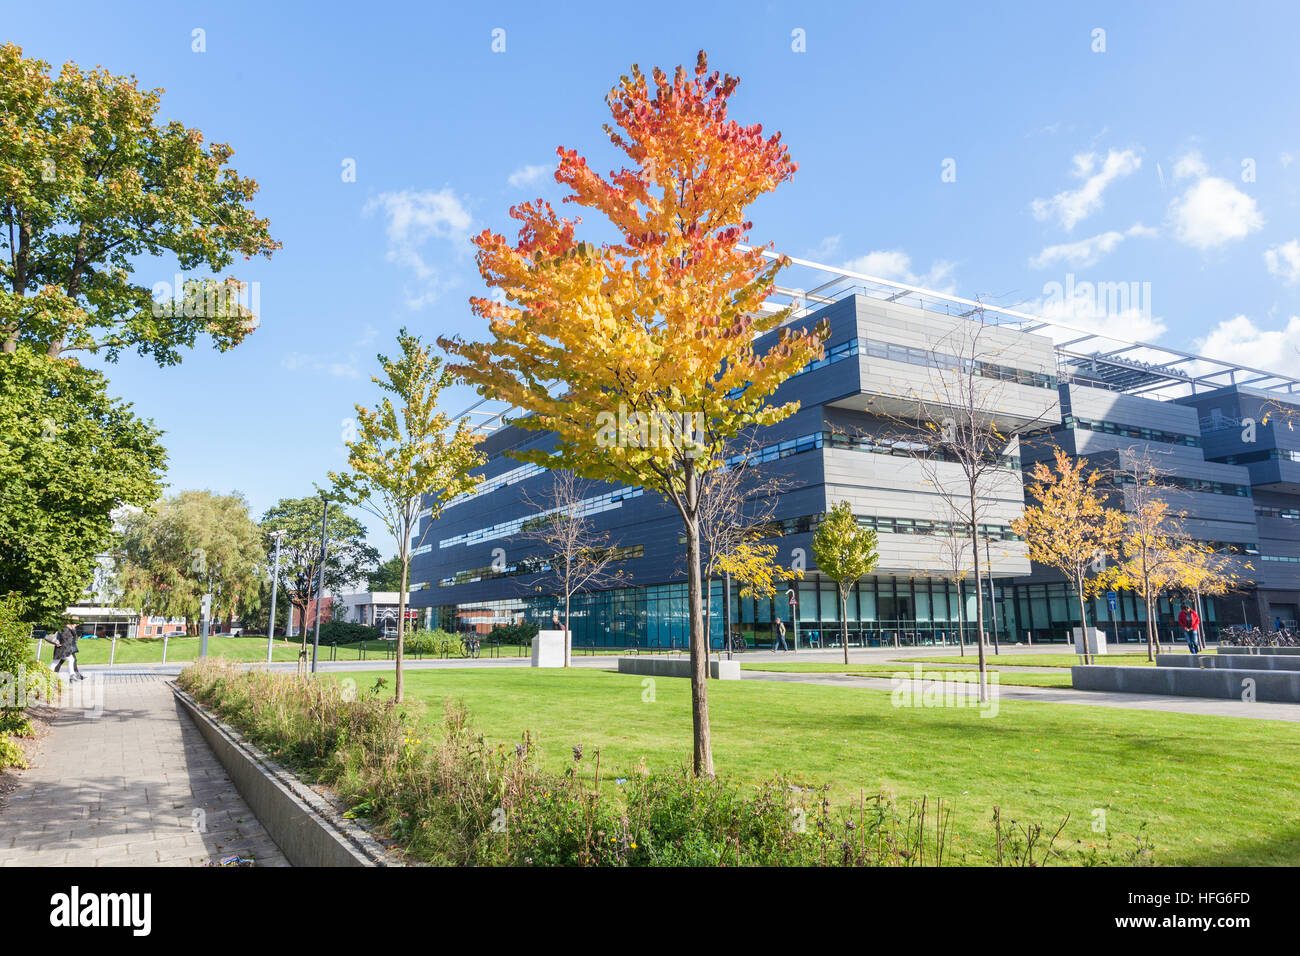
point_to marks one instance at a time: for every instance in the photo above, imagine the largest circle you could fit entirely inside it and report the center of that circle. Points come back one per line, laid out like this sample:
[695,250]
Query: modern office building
[1046,383]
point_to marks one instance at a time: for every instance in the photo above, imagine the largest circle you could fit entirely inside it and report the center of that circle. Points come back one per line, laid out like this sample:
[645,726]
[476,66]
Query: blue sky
[1170,157]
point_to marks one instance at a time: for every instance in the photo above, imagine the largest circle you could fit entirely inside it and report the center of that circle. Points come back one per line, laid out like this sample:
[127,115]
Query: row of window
[589,506]
[925,358]
[1292,514]
[528,566]
[862,443]
[1069,423]
[1271,454]
[887,525]
[1190,484]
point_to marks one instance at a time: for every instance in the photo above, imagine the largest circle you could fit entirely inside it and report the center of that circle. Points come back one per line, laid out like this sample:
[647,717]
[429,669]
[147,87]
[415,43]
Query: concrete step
[1261,662]
[1225,683]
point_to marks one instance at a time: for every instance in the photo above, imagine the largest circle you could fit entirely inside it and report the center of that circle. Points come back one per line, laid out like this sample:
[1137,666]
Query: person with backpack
[1190,622]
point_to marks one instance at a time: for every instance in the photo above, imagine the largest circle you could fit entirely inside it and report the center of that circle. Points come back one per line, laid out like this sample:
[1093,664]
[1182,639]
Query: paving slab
[124,778]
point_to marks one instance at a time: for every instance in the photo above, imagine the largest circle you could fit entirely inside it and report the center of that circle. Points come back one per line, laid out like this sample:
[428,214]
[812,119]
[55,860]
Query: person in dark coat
[66,650]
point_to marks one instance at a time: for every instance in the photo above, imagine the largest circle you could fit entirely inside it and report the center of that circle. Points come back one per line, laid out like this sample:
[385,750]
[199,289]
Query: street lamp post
[275,583]
[726,611]
[320,584]
[993,603]
[794,616]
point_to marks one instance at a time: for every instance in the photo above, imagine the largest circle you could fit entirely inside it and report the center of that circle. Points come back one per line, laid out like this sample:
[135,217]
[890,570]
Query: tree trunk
[703,751]
[961,619]
[979,596]
[1083,622]
[1151,629]
[844,622]
[398,684]
[568,608]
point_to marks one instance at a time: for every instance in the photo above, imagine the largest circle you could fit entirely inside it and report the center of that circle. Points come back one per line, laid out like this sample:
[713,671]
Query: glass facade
[881,612]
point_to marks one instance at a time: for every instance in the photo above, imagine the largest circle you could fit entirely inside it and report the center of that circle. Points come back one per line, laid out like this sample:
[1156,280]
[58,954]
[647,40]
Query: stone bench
[1260,662]
[1225,683]
[676,667]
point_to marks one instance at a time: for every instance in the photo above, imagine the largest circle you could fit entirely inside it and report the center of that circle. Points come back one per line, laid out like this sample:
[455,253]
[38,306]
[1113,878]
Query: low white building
[374,608]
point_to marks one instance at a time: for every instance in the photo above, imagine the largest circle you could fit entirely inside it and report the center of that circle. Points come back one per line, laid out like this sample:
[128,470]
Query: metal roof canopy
[1085,355]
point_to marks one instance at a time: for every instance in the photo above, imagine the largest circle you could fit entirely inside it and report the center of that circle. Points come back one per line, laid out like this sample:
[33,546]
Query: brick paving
[131,783]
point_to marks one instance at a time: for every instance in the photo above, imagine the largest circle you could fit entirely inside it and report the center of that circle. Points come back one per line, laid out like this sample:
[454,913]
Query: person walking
[779,643]
[1190,622]
[66,650]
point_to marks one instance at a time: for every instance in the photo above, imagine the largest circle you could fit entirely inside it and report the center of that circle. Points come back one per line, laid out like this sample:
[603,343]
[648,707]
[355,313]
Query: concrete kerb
[306,828]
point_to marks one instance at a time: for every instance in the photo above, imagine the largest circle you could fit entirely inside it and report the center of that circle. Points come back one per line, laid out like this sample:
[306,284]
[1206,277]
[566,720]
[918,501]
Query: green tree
[349,557]
[191,544]
[388,576]
[91,184]
[844,551]
[405,454]
[69,456]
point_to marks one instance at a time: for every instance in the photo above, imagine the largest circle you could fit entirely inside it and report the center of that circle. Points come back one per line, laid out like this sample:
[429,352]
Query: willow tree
[1071,529]
[407,459]
[639,353]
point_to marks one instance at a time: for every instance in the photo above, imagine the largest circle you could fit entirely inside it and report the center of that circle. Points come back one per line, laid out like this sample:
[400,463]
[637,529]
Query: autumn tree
[407,459]
[639,353]
[845,552]
[1201,570]
[1150,541]
[578,557]
[188,545]
[348,557]
[1071,529]
[93,183]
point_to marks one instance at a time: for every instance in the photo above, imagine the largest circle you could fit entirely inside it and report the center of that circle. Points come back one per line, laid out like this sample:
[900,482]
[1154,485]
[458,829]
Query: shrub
[520,634]
[22,679]
[450,797]
[346,632]
[434,643]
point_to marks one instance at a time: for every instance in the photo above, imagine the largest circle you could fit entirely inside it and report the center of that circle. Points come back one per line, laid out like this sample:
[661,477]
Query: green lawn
[888,670]
[243,649]
[1127,659]
[1211,790]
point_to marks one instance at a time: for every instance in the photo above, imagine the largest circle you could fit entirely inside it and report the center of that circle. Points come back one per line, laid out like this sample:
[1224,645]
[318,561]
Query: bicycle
[470,647]
[738,645]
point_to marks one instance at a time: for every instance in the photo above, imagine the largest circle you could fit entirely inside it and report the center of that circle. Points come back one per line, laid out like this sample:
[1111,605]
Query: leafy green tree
[407,458]
[844,551]
[191,544]
[388,576]
[69,456]
[350,559]
[91,184]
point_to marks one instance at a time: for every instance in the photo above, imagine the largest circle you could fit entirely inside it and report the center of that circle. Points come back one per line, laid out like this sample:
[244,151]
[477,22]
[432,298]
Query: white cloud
[1190,165]
[329,363]
[1286,159]
[825,249]
[1241,341]
[1132,324]
[526,175]
[897,265]
[1072,206]
[414,219]
[1284,261]
[1087,252]
[1213,212]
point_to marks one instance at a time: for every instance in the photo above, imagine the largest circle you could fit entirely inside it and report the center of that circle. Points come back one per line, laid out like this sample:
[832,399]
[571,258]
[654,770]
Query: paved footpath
[130,784]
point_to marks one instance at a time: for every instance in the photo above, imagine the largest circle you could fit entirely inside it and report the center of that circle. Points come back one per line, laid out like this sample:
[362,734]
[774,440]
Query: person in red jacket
[1190,622]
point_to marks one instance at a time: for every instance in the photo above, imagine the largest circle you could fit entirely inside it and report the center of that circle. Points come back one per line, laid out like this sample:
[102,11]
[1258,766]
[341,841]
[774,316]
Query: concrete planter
[306,828]
[676,667]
